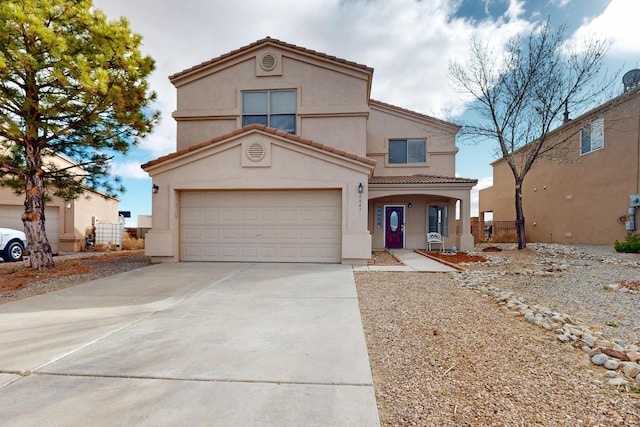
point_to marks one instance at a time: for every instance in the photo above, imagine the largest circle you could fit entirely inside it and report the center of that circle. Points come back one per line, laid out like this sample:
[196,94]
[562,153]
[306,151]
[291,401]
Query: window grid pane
[247,120]
[592,136]
[285,122]
[398,151]
[416,151]
[283,102]
[597,134]
[254,103]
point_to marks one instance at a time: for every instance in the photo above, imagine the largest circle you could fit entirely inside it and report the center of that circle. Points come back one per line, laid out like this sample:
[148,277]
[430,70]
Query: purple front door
[394,227]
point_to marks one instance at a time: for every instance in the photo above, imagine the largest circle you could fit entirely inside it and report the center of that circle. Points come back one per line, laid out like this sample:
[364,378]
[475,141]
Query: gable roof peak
[272,41]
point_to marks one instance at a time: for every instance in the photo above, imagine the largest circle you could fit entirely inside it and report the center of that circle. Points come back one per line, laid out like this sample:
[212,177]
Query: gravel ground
[580,289]
[443,355]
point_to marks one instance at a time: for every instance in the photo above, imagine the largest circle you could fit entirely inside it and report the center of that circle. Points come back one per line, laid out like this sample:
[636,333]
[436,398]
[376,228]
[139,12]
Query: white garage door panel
[11,217]
[270,226]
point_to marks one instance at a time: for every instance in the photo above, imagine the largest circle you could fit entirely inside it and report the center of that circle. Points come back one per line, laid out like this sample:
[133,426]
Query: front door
[394,227]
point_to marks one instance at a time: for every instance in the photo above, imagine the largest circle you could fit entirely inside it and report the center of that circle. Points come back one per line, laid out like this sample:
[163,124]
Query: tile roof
[265,129]
[265,41]
[420,179]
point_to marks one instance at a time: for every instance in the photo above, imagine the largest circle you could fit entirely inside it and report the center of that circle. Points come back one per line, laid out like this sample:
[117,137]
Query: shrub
[631,244]
[132,243]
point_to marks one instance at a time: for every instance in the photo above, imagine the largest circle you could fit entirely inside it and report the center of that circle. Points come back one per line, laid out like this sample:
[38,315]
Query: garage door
[10,217]
[268,226]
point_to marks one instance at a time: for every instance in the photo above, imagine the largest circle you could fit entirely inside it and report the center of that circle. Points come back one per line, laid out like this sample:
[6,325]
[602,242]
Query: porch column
[465,242]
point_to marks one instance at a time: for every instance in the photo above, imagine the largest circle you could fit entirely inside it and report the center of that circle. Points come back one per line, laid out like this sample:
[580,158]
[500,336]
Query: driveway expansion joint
[206,380]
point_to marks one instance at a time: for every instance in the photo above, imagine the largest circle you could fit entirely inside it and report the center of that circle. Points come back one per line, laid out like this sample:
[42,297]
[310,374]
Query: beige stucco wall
[575,198]
[201,130]
[73,222]
[387,123]
[82,211]
[287,165]
[346,133]
[332,98]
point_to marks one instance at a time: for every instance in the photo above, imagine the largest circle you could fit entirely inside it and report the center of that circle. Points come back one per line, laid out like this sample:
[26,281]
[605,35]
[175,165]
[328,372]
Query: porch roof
[420,179]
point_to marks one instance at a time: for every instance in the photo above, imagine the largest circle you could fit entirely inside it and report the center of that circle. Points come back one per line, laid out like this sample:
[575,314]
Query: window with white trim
[592,136]
[438,219]
[402,151]
[276,109]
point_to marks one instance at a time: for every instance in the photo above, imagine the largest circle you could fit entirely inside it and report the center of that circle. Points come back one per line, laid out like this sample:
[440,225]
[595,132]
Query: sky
[408,43]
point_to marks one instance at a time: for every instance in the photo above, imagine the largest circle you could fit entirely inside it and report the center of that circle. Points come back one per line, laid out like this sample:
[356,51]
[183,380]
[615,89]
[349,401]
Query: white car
[12,244]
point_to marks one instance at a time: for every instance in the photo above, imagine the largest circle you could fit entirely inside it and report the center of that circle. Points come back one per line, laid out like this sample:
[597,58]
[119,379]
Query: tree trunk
[40,256]
[522,243]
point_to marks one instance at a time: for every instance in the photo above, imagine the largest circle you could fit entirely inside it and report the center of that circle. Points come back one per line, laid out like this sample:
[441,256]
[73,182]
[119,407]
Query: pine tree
[72,83]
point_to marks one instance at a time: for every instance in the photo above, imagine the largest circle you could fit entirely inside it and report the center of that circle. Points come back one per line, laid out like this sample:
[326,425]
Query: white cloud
[618,23]
[129,169]
[560,3]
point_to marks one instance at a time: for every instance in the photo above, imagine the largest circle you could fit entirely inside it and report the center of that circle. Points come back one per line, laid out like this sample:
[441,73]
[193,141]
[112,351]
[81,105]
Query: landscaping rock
[630,369]
[599,359]
[618,354]
[612,364]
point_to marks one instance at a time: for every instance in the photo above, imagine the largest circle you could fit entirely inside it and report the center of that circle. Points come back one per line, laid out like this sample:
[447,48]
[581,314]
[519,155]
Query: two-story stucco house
[581,191]
[283,156]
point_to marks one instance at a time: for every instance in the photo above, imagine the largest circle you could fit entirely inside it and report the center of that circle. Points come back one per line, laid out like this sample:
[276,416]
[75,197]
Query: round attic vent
[255,152]
[268,61]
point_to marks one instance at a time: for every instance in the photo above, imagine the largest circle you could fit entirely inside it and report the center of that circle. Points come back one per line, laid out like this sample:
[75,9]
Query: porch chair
[435,238]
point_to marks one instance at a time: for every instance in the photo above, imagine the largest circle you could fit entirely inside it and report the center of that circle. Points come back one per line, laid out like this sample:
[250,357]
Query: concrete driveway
[223,344]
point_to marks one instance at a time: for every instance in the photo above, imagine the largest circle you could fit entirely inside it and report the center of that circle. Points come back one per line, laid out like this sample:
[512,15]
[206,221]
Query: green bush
[631,244]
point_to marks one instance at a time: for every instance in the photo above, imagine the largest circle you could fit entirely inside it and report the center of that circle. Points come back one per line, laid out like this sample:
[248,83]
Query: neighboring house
[282,156]
[580,192]
[67,223]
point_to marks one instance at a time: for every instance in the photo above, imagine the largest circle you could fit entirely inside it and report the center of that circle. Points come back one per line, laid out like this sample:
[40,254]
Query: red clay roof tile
[266,41]
[420,179]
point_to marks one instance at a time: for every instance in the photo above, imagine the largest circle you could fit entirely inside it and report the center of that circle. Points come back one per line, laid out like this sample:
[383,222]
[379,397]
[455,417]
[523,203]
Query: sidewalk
[412,262]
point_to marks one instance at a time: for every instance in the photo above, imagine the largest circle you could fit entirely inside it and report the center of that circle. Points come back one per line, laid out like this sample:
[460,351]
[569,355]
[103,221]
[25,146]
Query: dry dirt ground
[18,280]
[386,258]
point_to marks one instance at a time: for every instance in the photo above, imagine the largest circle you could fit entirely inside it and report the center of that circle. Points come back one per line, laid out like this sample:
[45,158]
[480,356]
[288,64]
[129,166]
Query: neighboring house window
[438,220]
[592,136]
[407,151]
[276,109]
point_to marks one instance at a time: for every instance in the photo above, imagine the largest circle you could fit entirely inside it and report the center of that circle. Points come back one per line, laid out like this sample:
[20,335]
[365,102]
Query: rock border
[621,359]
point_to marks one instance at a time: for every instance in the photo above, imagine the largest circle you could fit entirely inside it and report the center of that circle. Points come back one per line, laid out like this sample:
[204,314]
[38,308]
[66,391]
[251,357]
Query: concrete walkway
[412,262]
[224,344]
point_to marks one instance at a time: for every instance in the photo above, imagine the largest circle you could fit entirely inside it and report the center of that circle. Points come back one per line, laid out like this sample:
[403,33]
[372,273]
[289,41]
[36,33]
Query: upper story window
[592,136]
[276,109]
[407,151]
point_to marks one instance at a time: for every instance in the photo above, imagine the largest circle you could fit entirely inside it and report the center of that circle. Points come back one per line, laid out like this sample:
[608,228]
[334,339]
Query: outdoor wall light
[360,188]
[155,188]
[410,205]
